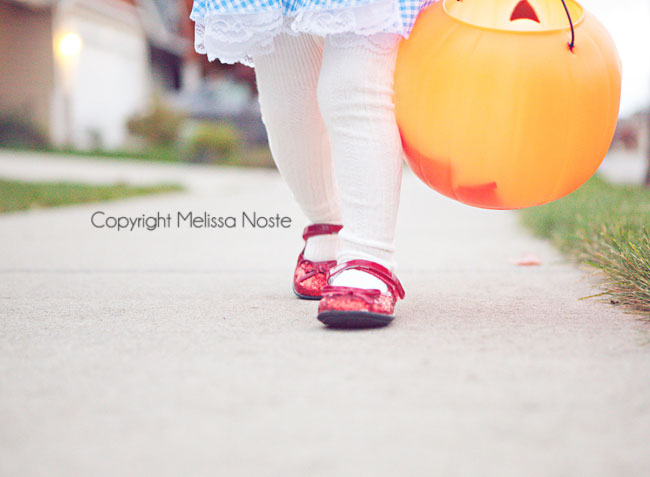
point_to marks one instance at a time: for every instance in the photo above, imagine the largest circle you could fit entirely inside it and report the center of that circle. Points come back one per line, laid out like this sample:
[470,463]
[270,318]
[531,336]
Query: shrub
[159,126]
[17,130]
[213,143]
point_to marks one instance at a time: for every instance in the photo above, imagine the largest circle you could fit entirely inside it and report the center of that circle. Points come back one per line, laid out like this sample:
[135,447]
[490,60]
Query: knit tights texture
[327,105]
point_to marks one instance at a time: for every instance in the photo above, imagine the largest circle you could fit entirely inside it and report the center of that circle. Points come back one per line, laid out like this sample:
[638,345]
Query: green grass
[15,195]
[258,156]
[606,226]
[157,154]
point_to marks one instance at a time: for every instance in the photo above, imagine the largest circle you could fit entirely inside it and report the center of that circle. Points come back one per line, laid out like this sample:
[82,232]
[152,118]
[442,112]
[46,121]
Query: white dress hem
[238,37]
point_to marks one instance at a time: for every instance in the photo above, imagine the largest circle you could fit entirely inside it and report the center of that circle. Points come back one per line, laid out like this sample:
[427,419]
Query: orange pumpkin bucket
[505,104]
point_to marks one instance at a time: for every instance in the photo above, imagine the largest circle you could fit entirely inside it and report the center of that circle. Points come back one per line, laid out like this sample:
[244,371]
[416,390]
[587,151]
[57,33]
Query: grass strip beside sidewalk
[18,195]
[607,226]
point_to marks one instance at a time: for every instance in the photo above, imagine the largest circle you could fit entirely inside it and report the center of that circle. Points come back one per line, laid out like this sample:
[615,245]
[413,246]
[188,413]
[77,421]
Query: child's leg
[287,81]
[355,94]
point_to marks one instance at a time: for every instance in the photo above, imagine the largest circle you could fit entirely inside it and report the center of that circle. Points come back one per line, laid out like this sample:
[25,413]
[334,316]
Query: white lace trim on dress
[238,37]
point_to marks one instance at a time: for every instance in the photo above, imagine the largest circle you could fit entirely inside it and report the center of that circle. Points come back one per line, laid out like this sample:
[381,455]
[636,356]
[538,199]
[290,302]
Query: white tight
[328,110]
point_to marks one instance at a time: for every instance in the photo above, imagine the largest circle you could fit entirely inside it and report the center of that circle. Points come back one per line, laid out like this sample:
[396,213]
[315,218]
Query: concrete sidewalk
[184,352]
[50,167]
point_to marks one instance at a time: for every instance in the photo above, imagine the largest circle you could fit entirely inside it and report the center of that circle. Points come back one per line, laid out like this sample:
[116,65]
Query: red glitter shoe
[351,307]
[309,277]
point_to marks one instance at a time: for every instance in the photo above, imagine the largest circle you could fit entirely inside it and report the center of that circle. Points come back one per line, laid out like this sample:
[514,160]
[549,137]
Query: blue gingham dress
[236,30]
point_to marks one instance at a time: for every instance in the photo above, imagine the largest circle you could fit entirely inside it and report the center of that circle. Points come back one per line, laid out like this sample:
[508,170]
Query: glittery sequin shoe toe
[310,276]
[351,307]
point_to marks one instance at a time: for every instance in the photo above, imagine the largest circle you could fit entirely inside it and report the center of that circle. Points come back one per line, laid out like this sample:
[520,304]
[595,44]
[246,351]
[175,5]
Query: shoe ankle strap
[320,229]
[374,269]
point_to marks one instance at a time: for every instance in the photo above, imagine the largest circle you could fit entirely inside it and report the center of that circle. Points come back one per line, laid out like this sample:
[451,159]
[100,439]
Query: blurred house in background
[633,132]
[76,70]
[628,160]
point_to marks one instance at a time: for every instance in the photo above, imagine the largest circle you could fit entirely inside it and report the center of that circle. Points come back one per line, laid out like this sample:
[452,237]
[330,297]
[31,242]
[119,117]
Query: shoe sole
[305,297]
[354,319]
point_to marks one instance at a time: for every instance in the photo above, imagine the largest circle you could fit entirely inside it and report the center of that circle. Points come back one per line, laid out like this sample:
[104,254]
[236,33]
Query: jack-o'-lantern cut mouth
[523,10]
[515,15]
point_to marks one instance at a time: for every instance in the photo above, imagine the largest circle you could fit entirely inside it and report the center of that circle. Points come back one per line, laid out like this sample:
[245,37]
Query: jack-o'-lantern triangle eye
[524,10]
